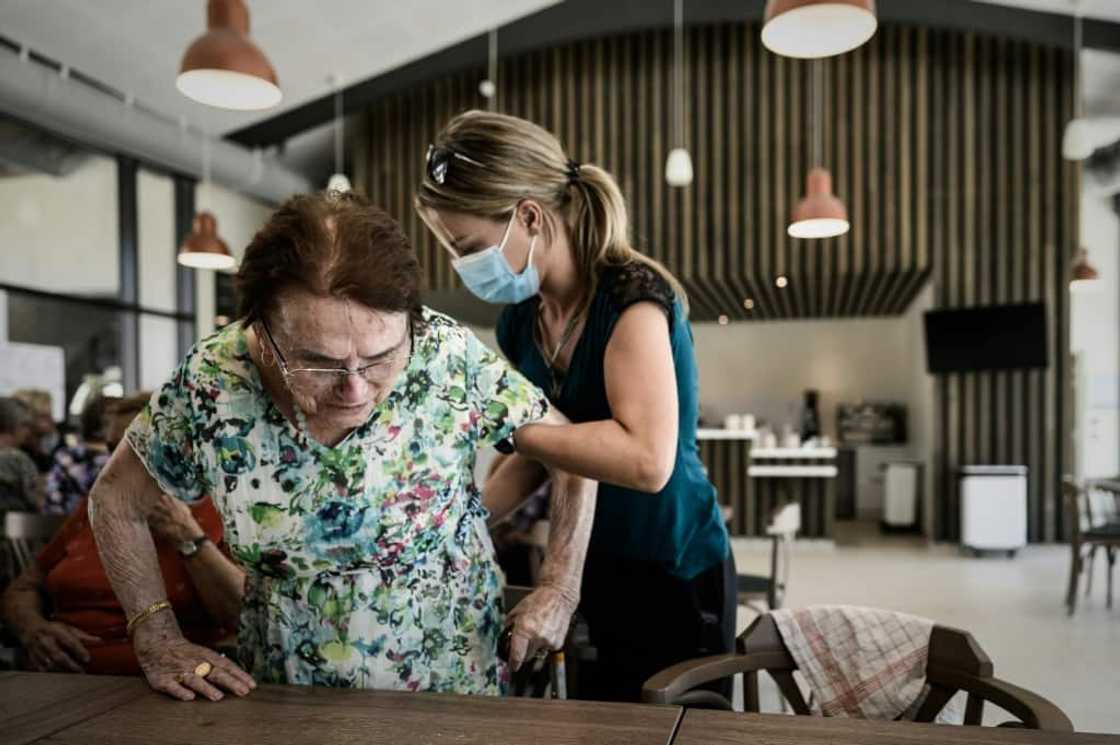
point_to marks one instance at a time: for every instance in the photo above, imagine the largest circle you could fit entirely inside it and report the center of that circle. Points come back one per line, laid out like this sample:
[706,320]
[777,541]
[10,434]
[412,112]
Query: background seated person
[65,613]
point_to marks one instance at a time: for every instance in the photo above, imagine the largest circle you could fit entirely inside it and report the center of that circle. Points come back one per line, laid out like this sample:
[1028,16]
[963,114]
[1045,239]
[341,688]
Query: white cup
[733,422]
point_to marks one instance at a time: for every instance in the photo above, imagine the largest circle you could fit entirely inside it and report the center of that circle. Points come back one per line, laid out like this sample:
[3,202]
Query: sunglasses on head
[439,159]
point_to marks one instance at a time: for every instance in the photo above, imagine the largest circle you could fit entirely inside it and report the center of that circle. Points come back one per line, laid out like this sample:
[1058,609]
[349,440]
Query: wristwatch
[187,549]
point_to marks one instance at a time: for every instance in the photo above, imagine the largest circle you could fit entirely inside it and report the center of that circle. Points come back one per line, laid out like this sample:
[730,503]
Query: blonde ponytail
[510,159]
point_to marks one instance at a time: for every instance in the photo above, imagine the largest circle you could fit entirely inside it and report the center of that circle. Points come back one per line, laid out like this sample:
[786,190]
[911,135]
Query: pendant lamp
[1077,140]
[203,248]
[488,87]
[338,181]
[223,68]
[817,28]
[1083,275]
[819,214]
[678,166]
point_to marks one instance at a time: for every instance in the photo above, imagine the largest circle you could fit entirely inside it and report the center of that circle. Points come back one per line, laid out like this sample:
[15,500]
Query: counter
[754,481]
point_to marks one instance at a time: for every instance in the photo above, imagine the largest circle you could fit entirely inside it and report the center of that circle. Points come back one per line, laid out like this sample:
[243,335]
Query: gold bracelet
[145,614]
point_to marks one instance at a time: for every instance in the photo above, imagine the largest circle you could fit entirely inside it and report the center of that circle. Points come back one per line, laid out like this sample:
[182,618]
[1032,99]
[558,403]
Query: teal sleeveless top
[680,527]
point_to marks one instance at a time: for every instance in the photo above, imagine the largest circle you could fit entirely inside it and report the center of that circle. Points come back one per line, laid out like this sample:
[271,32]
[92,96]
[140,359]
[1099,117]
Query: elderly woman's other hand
[171,665]
[539,623]
[171,519]
[57,647]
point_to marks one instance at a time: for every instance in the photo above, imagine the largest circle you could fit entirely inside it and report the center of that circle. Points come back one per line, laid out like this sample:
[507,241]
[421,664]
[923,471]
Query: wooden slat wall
[944,146]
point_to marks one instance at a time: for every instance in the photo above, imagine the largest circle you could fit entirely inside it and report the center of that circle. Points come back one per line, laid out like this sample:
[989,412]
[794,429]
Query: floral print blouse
[369,564]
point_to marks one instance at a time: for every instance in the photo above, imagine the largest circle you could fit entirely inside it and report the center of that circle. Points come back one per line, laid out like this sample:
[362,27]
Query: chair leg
[1074,575]
[1089,570]
[1111,553]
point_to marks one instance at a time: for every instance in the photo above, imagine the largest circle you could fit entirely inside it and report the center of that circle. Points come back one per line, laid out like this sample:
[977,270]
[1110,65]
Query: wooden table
[33,705]
[727,728]
[123,710]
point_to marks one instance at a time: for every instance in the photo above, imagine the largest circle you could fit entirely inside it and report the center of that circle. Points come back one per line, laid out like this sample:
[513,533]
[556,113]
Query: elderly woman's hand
[57,647]
[169,662]
[539,623]
[172,520]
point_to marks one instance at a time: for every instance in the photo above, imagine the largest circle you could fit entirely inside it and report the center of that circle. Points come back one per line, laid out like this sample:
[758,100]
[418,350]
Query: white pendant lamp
[338,181]
[223,68]
[203,248]
[1077,140]
[817,28]
[678,166]
[488,87]
[819,214]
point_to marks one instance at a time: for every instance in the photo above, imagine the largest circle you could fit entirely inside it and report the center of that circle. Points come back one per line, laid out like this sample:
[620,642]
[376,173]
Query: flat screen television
[994,337]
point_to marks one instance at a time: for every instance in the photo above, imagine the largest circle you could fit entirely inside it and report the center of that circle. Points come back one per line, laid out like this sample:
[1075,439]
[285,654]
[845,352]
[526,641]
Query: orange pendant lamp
[817,28]
[224,68]
[1083,275]
[203,249]
[819,214]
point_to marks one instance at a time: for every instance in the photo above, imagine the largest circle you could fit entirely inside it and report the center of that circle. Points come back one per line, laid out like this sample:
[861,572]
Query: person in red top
[81,627]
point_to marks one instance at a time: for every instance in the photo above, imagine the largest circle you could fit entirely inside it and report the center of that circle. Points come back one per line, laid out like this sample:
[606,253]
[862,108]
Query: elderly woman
[335,427]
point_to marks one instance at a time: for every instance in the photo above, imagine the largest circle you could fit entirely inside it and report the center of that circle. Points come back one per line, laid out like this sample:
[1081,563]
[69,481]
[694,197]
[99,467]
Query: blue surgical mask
[490,277]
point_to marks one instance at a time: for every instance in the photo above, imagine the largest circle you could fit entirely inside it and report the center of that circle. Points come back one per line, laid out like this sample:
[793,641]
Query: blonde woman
[604,331]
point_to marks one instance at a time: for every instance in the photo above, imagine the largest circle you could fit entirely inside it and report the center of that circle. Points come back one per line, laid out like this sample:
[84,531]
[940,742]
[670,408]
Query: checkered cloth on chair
[862,663]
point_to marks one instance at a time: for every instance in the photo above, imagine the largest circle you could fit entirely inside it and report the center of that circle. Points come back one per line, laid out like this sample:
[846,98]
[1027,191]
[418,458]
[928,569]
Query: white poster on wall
[35,366]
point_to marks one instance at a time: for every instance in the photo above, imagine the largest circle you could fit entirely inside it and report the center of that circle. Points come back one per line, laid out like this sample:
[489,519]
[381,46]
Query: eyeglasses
[439,159]
[326,377]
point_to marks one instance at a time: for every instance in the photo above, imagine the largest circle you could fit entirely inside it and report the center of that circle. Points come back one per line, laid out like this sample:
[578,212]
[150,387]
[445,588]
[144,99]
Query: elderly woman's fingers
[230,668]
[200,685]
[59,659]
[519,646]
[223,679]
[69,641]
[167,684]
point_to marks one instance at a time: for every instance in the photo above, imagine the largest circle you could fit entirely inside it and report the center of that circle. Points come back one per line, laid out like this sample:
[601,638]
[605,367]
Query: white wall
[239,218]
[763,368]
[60,234]
[1095,343]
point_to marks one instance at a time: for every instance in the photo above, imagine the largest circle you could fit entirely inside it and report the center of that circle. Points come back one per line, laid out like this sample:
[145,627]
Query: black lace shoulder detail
[635,283]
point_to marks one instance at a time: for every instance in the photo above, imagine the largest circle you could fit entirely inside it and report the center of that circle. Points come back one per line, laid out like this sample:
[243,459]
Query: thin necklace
[561,345]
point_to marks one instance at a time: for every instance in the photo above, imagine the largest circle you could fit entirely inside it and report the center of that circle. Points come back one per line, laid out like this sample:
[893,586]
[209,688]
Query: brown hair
[331,244]
[521,160]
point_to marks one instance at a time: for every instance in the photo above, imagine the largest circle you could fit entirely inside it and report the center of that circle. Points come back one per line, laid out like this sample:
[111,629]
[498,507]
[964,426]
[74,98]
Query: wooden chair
[956,663]
[751,588]
[1093,527]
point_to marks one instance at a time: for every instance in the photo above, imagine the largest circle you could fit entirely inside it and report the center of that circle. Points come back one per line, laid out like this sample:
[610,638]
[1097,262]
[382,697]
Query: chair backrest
[31,526]
[786,521]
[955,663]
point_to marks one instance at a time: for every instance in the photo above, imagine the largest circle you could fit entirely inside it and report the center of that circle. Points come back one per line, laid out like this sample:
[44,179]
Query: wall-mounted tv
[994,337]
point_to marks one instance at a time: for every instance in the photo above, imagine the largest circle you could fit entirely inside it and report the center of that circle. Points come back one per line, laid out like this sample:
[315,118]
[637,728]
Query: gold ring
[203,669]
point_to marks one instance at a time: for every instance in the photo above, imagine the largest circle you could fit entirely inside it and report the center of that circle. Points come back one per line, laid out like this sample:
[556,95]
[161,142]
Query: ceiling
[1108,10]
[137,46]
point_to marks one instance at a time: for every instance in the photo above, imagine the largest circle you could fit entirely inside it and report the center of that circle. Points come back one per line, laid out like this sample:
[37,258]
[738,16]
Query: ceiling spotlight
[724,320]
[748,304]
[781,281]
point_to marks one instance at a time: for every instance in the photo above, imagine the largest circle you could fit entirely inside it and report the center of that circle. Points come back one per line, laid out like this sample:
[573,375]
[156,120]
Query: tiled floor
[1014,608]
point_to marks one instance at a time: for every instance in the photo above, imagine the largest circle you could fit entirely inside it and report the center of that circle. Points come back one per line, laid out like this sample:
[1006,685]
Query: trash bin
[993,508]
